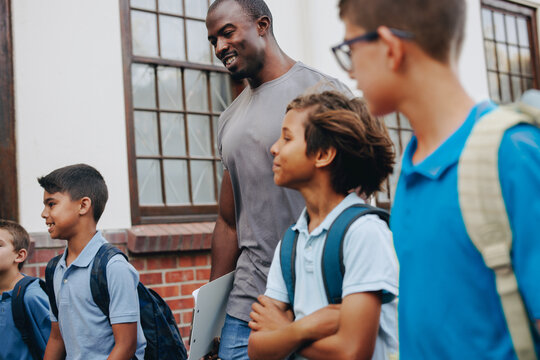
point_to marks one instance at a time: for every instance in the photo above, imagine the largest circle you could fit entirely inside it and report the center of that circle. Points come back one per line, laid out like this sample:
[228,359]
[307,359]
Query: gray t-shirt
[247,130]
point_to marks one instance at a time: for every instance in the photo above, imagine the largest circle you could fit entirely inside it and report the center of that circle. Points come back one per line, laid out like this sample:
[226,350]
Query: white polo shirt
[370,263]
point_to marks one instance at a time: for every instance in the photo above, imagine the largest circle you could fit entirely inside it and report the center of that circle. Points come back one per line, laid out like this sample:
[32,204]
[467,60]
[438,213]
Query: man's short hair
[364,150]
[78,181]
[20,238]
[254,9]
[438,25]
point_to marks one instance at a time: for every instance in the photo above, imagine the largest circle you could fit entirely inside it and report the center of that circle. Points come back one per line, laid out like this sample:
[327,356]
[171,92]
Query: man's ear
[85,205]
[263,25]
[325,157]
[395,52]
[22,254]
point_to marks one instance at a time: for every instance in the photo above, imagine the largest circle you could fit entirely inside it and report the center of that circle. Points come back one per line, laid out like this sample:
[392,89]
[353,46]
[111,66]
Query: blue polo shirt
[36,303]
[449,307]
[370,264]
[86,331]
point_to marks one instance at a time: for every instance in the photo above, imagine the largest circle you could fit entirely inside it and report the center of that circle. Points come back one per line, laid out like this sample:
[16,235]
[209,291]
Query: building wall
[69,99]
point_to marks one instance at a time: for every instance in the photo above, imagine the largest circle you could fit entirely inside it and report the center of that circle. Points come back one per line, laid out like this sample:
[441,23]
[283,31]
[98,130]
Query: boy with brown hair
[330,145]
[24,333]
[403,55]
[74,199]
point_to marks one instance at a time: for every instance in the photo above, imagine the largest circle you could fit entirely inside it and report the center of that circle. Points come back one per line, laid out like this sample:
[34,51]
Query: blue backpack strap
[287,256]
[98,276]
[49,283]
[20,316]
[332,265]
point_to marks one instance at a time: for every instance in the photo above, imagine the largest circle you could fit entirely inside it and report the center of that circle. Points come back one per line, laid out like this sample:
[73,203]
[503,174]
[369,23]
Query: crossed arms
[346,331]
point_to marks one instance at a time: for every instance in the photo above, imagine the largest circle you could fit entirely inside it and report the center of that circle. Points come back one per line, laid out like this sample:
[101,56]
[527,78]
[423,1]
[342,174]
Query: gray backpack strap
[486,220]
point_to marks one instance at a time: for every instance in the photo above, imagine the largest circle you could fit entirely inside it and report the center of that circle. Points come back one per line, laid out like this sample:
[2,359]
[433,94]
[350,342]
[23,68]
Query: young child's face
[292,167]
[61,214]
[8,255]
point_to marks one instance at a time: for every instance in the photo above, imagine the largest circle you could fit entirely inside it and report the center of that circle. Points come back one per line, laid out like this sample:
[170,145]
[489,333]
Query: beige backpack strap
[486,220]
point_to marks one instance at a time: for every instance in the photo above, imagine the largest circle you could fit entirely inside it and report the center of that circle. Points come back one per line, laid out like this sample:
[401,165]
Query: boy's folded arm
[55,349]
[357,333]
[275,336]
[125,341]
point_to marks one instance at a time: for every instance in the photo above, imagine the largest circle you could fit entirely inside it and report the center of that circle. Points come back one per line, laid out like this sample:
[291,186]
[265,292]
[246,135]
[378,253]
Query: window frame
[9,206]
[142,214]
[517,9]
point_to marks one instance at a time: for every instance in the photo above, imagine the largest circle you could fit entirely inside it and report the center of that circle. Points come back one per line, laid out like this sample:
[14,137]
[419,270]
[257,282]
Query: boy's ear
[325,157]
[85,205]
[395,47]
[22,254]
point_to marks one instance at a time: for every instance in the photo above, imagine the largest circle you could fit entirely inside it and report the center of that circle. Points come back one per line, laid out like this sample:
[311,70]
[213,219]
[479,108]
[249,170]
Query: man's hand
[268,315]
[213,354]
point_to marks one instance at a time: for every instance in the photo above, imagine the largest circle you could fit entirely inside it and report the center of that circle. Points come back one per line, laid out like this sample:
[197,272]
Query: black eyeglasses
[342,52]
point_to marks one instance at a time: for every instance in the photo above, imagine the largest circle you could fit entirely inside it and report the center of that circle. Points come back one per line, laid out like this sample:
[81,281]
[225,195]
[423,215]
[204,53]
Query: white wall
[306,30]
[69,99]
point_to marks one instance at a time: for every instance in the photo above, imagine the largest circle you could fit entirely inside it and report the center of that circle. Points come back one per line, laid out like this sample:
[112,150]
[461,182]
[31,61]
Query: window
[175,90]
[510,44]
[401,133]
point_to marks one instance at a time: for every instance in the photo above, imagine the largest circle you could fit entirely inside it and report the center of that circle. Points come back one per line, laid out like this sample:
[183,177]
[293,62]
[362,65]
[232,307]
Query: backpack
[20,316]
[484,212]
[163,340]
[333,268]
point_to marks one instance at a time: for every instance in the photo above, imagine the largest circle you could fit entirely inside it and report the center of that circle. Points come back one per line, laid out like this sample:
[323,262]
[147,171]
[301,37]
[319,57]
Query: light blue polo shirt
[36,303]
[85,330]
[370,263]
[449,307]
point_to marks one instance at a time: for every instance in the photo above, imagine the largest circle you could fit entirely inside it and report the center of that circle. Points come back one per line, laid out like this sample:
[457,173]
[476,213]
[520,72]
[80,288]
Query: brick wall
[172,274]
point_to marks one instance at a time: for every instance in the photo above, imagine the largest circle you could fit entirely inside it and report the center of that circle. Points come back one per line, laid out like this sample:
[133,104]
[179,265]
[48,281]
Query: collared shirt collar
[302,223]
[449,151]
[87,254]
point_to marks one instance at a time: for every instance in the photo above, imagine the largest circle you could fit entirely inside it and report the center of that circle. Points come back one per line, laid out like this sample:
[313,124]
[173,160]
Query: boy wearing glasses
[403,55]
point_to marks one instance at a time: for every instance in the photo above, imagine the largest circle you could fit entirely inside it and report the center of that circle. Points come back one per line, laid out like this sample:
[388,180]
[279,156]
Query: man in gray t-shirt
[253,212]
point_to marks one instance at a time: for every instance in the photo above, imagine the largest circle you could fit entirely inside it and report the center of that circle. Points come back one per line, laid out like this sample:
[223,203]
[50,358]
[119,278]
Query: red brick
[186,240]
[42,255]
[203,274]
[181,304]
[177,318]
[187,289]
[186,261]
[187,317]
[159,263]
[202,260]
[179,276]
[186,343]
[167,291]
[139,264]
[42,272]
[151,279]
[184,331]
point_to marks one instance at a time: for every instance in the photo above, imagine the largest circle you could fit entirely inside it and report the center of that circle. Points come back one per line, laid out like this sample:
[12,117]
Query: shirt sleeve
[369,259]
[36,303]
[122,281]
[519,170]
[275,284]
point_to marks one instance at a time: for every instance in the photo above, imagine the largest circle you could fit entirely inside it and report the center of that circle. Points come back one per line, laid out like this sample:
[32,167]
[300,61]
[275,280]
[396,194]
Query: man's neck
[320,199]
[437,107]
[276,64]
[78,242]
[9,278]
